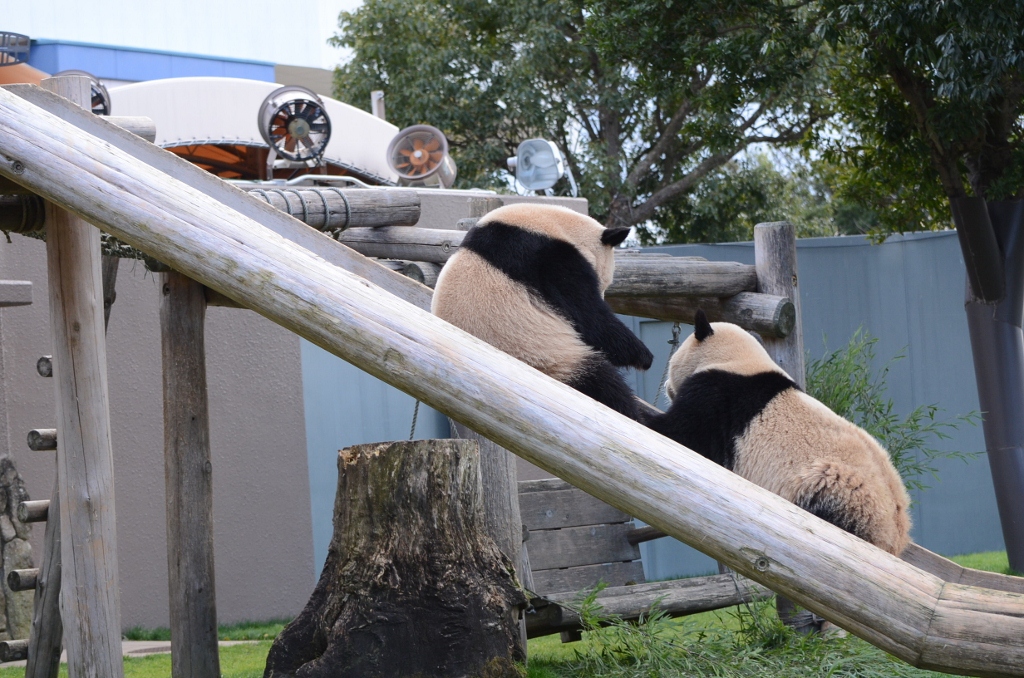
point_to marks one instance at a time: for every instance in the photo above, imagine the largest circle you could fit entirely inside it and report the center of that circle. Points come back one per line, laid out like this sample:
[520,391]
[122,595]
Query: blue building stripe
[125,63]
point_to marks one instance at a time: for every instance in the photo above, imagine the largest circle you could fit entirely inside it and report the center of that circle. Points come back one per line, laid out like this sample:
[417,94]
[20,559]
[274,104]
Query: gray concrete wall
[909,294]
[262,529]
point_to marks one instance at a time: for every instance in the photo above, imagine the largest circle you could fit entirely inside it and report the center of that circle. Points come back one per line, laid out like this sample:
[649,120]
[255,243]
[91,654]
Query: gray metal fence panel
[345,406]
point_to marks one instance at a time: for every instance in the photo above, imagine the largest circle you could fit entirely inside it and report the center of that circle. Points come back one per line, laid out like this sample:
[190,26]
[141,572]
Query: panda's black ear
[614,236]
[701,327]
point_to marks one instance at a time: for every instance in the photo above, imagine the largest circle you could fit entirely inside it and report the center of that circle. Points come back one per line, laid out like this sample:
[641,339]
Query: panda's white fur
[793,445]
[515,284]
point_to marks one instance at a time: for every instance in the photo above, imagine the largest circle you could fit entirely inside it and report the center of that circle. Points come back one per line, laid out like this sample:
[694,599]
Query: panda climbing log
[529,279]
[732,404]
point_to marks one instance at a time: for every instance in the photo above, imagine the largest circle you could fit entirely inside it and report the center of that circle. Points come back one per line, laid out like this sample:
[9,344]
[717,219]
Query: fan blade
[417,144]
[289,144]
[406,152]
[433,145]
[436,156]
[307,142]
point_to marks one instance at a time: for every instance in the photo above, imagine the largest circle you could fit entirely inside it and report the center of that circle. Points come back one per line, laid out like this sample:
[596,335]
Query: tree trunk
[412,585]
[997,344]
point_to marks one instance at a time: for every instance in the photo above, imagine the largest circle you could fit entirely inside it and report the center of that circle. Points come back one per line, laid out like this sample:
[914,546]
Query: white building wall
[293,33]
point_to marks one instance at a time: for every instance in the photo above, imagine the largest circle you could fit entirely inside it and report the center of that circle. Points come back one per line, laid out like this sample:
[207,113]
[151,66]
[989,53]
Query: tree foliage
[847,382]
[930,96]
[727,204]
[645,98]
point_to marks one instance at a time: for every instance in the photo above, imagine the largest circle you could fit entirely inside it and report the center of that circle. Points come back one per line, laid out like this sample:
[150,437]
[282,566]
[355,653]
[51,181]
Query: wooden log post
[412,585]
[188,475]
[907,612]
[47,631]
[775,261]
[502,520]
[47,627]
[90,599]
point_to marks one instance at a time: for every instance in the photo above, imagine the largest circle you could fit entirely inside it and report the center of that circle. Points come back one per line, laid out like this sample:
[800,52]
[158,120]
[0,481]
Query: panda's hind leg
[603,382]
[839,494]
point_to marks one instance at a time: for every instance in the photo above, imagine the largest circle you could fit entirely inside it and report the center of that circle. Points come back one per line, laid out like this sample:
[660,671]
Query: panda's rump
[516,321]
[855,502]
[811,456]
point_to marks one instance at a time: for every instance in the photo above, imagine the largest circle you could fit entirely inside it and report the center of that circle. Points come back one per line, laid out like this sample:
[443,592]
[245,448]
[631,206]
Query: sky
[294,33]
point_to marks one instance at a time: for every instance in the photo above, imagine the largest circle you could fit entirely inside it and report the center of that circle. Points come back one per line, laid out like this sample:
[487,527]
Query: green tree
[932,92]
[727,204]
[645,99]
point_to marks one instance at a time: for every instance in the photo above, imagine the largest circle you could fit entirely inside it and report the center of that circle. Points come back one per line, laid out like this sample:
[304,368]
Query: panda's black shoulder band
[557,272]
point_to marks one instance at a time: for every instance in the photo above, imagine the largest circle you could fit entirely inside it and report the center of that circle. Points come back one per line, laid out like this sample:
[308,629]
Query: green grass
[239,661]
[741,642]
[265,630]
[990,561]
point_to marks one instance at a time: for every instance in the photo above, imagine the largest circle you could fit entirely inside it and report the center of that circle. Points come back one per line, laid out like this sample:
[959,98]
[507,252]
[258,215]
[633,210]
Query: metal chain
[674,343]
[415,414]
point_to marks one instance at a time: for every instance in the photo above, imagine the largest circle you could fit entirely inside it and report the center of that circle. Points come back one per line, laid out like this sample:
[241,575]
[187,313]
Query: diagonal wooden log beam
[914,615]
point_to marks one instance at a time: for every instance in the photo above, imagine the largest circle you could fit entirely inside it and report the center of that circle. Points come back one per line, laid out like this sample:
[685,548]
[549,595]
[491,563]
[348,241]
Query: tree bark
[997,344]
[412,585]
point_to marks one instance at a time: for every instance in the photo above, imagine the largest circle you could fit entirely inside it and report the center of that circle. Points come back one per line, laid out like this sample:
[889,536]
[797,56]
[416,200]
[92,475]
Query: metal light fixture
[538,165]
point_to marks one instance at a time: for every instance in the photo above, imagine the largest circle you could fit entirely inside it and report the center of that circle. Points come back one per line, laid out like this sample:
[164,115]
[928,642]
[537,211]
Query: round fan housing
[419,155]
[294,123]
[100,96]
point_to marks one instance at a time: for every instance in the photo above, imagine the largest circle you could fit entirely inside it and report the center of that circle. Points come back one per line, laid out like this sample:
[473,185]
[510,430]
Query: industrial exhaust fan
[419,155]
[294,123]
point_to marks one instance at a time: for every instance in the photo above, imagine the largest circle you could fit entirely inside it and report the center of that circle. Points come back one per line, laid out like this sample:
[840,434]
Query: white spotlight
[538,164]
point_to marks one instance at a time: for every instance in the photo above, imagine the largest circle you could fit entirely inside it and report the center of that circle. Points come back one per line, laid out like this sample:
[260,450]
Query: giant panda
[529,279]
[732,404]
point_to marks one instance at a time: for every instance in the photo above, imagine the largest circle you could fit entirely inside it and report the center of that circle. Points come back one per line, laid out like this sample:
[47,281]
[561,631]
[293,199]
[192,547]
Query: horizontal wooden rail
[676,598]
[900,608]
[330,209]
[765,314]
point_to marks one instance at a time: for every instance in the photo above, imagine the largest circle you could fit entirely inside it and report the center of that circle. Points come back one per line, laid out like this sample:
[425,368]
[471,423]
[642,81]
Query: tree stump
[412,586]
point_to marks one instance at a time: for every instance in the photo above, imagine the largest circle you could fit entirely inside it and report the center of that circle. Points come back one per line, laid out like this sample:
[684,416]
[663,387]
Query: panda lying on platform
[530,279]
[732,404]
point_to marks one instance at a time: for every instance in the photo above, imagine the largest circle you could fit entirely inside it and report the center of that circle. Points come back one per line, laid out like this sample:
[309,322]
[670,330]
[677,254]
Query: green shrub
[846,382]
